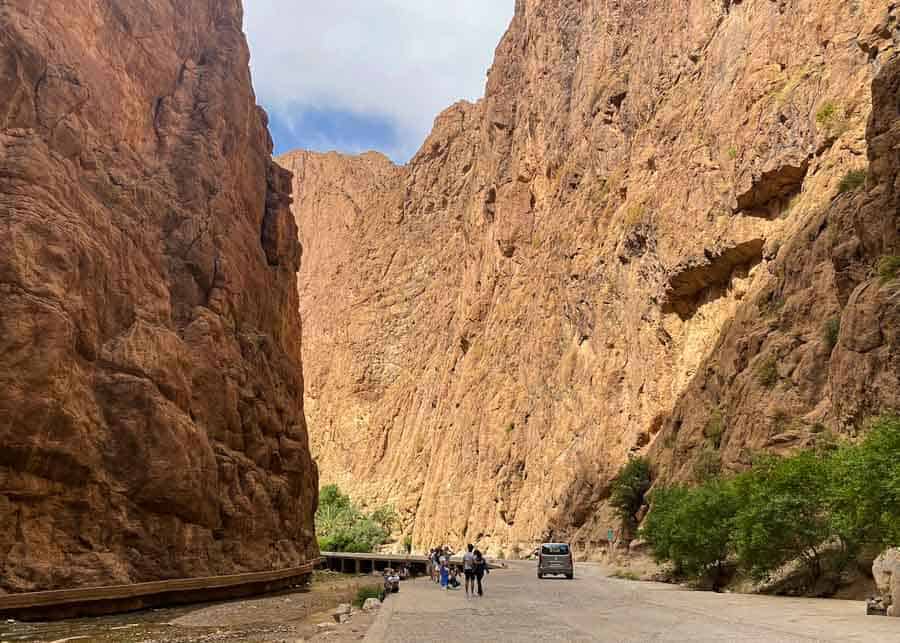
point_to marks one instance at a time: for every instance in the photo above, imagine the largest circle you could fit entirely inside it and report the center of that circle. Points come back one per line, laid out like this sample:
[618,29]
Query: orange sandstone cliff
[151,410]
[634,244]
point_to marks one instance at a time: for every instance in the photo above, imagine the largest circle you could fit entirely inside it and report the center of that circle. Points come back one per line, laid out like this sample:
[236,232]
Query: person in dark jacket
[481,568]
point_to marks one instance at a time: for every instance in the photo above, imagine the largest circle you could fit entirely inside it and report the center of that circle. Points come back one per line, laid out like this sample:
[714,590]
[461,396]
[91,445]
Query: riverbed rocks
[151,411]
[635,244]
[886,571]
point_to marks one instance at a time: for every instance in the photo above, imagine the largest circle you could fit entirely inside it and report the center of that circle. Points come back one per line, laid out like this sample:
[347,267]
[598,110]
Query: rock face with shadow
[613,241]
[816,351]
[151,410]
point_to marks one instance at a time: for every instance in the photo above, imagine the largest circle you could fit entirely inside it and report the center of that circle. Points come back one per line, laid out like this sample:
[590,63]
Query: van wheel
[540,575]
[570,576]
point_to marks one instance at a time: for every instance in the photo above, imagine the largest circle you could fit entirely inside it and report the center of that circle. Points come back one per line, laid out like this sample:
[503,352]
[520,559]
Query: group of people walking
[474,568]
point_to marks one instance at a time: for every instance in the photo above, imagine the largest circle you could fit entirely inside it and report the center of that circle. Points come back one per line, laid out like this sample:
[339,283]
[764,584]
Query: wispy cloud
[368,73]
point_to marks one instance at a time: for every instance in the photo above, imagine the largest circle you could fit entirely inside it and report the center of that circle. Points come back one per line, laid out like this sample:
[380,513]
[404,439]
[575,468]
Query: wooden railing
[94,601]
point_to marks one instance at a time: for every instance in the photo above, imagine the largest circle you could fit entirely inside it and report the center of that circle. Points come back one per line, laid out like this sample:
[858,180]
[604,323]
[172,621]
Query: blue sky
[356,75]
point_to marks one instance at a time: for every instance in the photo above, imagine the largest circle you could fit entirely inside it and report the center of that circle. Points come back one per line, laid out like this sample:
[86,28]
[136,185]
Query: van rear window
[555,550]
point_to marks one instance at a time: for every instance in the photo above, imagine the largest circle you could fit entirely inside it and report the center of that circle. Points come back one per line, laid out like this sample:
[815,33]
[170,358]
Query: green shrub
[707,466]
[830,332]
[366,593]
[832,119]
[826,113]
[692,528]
[343,527]
[888,267]
[781,515]
[767,372]
[864,489]
[628,489]
[853,180]
[715,428]
[732,152]
[819,507]
[407,544]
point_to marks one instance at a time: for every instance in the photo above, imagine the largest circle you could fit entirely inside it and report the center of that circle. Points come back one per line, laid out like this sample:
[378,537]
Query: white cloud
[401,60]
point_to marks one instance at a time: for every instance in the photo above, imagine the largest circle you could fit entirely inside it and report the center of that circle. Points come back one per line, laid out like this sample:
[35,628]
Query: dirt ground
[297,615]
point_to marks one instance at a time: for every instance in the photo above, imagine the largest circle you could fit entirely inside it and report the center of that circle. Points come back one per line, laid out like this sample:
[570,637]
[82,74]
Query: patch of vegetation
[771,304]
[831,119]
[767,372]
[715,428]
[791,84]
[732,152]
[625,574]
[365,593]
[888,268]
[342,526]
[407,544]
[691,528]
[628,489]
[826,113]
[510,427]
[707,466]
[781,515]
[634,215]
[852,181]
[830,332]
[817,508]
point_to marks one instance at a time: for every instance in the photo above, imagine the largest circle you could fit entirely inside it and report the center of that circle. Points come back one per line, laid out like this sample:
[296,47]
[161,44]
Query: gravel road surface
[519,607]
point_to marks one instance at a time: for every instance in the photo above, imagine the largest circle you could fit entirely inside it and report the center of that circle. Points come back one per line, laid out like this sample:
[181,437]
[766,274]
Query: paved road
[519,607]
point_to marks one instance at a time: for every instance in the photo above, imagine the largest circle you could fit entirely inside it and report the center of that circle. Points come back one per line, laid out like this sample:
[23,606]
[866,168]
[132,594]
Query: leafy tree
[628,489]
[783,515]
[342,526]
[692,528]
[864,489]
[385,516]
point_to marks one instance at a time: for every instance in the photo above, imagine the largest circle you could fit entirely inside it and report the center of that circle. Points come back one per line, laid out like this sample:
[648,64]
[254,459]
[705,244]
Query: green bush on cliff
[853,180]
[342,526]
[889,268]
[628,489]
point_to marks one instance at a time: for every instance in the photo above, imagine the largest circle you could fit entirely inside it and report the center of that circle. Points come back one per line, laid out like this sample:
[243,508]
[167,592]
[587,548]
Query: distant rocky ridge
[151,411]
[634,244]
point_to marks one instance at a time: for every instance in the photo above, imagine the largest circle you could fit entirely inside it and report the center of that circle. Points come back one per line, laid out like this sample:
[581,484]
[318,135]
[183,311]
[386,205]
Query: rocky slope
[151,412]
[597,259]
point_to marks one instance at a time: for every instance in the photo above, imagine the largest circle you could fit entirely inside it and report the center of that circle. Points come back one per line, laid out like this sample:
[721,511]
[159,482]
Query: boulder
[886,571]
[637,546]
[371,605]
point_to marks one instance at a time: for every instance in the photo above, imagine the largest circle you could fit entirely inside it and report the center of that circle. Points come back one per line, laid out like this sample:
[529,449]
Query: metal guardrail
[112,599]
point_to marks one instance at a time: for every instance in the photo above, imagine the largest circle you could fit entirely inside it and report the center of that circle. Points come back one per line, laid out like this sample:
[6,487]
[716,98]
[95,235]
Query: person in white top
[469,569]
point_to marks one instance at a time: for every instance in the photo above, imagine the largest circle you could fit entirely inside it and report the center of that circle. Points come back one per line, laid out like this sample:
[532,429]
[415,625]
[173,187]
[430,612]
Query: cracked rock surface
[598,258]
[151,410]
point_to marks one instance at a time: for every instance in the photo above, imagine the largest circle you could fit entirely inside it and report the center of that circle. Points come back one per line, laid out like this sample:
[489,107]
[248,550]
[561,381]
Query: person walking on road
[469,570]
[436,564]
[481,568]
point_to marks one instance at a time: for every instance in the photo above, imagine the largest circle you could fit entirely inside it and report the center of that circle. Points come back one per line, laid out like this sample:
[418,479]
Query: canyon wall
[634,244]
[151,411]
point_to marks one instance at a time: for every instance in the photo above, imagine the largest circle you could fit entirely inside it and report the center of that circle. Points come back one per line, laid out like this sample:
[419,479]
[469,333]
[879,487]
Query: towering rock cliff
[634,235]
[151,412]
